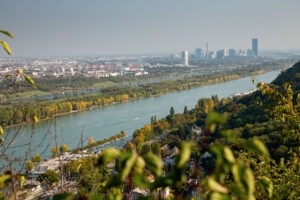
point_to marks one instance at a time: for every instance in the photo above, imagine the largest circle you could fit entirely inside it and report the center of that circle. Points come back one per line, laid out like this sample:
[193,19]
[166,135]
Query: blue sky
[104,27]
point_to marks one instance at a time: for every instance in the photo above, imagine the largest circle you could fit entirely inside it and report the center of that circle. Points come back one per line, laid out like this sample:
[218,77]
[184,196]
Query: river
[105,122]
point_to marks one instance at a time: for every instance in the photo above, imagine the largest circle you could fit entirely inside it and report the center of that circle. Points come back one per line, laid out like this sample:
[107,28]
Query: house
[196,129]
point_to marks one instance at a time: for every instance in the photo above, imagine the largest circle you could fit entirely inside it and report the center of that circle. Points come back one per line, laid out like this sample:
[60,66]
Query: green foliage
[281,107]
[257,147]
[54,151]
[4,44]
[63,148]
[231,174]
[5,179]
[49,176]
[134,169]
[37,158]
[29,165]
[64,196]
[30,81]
[172,112]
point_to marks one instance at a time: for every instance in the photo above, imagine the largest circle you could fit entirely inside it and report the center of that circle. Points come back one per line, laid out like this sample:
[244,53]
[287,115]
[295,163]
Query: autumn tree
[54,151]
[63,148]
[91,140]
[37,158]
[29,165]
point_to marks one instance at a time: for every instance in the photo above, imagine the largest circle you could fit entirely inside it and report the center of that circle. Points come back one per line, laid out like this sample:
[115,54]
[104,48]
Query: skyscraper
[198,53]
[220,54]
[255,46]
[185,58]
[231,53]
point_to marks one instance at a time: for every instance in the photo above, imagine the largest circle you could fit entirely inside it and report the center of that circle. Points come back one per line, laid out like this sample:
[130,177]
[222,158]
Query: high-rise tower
[198,53]
[185,58]
[255,46]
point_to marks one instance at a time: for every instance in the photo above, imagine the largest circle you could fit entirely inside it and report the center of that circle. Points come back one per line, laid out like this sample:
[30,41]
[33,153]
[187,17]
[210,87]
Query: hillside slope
[291,75]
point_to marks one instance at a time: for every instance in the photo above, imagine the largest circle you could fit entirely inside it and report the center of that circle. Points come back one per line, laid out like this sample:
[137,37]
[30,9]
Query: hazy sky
[103,27]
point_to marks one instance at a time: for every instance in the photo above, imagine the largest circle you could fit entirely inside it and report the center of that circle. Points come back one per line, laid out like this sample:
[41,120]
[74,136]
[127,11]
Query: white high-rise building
[185,58]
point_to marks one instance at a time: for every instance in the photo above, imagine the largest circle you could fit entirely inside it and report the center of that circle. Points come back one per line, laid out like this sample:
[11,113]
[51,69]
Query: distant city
[219,54]
[111,66]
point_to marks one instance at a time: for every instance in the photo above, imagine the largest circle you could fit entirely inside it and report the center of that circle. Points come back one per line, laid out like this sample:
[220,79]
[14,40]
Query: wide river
[105,122]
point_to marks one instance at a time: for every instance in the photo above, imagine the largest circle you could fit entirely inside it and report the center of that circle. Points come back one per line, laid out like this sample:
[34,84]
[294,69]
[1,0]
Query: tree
[91,140]
[146,148]
[155,148]
[63,148]
[49,176]
[172,112]
[29,165]
[153,119]
[185,110]
[37,158]
[54,152]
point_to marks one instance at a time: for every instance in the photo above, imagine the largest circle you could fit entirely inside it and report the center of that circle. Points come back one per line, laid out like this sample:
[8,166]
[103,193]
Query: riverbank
[105,122]
[96,101]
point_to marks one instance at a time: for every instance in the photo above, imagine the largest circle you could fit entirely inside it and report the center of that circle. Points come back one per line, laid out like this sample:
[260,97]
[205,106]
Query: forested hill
[291,75]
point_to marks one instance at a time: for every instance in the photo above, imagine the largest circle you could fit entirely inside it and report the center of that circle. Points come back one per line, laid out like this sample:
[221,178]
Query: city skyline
[70,28]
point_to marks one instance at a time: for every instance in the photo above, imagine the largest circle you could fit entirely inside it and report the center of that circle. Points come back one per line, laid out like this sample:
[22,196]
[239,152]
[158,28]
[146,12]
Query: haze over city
[73,27]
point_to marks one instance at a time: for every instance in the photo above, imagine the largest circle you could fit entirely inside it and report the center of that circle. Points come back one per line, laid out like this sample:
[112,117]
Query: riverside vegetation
[14,113]
[253,140]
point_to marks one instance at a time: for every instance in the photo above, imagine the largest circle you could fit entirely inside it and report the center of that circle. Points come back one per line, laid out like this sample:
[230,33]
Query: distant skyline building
[198,53]
[255,46]
[232,53]
[211,55]
[185,58]
[220,54]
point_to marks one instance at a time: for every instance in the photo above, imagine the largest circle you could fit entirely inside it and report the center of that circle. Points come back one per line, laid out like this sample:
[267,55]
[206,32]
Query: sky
[124,27]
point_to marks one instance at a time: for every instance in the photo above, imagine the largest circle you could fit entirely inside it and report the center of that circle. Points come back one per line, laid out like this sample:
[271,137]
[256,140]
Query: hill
[291,75]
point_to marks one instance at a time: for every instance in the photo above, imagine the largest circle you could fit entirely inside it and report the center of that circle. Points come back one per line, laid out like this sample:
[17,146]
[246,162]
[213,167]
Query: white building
[185,58]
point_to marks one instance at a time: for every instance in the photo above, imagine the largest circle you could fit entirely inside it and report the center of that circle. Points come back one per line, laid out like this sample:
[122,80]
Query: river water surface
[105,122]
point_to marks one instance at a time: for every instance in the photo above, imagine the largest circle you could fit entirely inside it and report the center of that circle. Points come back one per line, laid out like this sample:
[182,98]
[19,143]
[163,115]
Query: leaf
[141,181]
[154,164]
[35,119]
[235,172]
[7,33]
[108,155]
[1,130]
[19,71]
[128,163]
[78,168]
[4,180]
[215,118]
[30,81]
[6,47]
[216,187]
[249,181]
[217,196]
[228,155]
[22,181]
[140,164]
[267,186]
[184,154]
[257,147]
